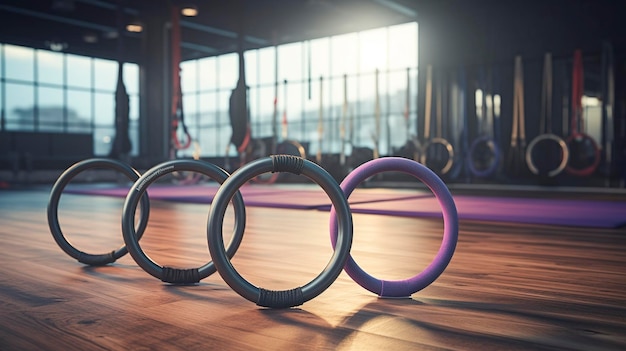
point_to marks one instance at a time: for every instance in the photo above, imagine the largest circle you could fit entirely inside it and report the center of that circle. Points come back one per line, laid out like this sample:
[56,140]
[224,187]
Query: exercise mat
[578,213]
[253,195]
[408,203]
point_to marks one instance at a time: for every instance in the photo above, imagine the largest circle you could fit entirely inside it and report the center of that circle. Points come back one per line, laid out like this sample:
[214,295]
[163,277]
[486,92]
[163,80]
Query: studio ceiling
[89,27]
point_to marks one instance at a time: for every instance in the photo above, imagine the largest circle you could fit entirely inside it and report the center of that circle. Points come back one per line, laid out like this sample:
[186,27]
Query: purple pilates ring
[406,287]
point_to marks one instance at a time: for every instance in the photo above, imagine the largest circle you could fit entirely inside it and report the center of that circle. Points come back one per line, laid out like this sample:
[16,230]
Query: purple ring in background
[406,287]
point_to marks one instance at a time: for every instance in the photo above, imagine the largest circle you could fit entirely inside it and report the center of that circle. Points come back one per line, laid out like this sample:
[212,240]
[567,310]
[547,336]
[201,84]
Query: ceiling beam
[183,23]
[397,7]
[56,18]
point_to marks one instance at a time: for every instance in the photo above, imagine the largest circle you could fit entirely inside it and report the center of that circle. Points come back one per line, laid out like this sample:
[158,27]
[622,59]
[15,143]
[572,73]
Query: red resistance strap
[177,95]
[577,93]
[577,127]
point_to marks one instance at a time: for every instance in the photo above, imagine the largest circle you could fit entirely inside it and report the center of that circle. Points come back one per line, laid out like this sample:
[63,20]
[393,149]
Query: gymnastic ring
[448,147]
[406,287]
[299,295]
[564,153]
[53,210]
[495,150]
[170,274]
[596,151]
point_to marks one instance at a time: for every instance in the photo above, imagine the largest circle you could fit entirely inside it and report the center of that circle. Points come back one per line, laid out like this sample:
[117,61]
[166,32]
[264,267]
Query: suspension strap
[177,114]
[545,124]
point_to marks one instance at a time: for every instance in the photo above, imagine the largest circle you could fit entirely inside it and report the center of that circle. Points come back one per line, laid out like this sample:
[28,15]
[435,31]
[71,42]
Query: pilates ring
[170,274]
[446,144]
[53,210]
[495,151]
[406,287]
[547,137]
[299,295]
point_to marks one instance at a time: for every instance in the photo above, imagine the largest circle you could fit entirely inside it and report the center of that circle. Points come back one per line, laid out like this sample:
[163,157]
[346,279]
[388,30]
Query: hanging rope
[121,142]
[177,113]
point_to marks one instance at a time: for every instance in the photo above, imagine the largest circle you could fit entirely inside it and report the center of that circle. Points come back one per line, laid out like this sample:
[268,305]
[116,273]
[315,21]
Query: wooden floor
[508,287]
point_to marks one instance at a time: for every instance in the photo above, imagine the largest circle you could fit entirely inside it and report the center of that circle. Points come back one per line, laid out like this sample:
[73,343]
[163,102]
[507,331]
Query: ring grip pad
[97,260]
[287,163]
[280,298]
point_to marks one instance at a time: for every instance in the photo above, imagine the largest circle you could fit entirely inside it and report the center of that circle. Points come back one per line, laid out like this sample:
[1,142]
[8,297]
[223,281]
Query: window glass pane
[228,71]
[403,46]
[133,112]
[80,127]
[373,50]
[79,108]
[251,61]
[344,49]
[320,57]
[49,67]
[190,107]
[390,50]
[131,78]
[224,129]
[51,109]
[103,137]
[365,118]
[334,96]
[79,71]
[105,72]
[264,99]
[19,63]
[207,74]
[290,62]
[20,102]
[133,131]
[2,111]
[207,107]
[188,77]
[104,109]
[267,66]
[214,139]
[295,100]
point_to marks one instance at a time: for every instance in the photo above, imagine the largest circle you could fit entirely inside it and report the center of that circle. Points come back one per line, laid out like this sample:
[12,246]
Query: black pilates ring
[299,295]
[170,274]
[53,210]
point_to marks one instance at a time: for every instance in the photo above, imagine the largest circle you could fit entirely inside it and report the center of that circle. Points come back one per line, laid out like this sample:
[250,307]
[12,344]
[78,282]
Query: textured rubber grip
[180,276]
[287,163]
[97,260]
[281,298]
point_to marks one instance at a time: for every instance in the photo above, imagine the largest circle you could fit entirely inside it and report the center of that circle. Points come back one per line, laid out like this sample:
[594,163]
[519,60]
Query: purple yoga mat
[201,193]
[256,196]
[578,213]
[408,203]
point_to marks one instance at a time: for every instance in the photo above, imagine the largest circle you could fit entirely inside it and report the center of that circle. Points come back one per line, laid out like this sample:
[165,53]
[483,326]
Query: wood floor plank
[509,286]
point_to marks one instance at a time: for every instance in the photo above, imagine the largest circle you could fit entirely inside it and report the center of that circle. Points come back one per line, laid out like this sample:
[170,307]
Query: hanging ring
[493,148]
[446,144]
[547,137]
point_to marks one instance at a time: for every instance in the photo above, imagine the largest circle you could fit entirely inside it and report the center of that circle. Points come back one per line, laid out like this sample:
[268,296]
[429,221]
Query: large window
[392,51]
[54,92]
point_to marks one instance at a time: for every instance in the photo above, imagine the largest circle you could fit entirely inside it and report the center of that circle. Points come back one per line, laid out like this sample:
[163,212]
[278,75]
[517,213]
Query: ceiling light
[189,10]
[56,45]
[90,38]
[134,27]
